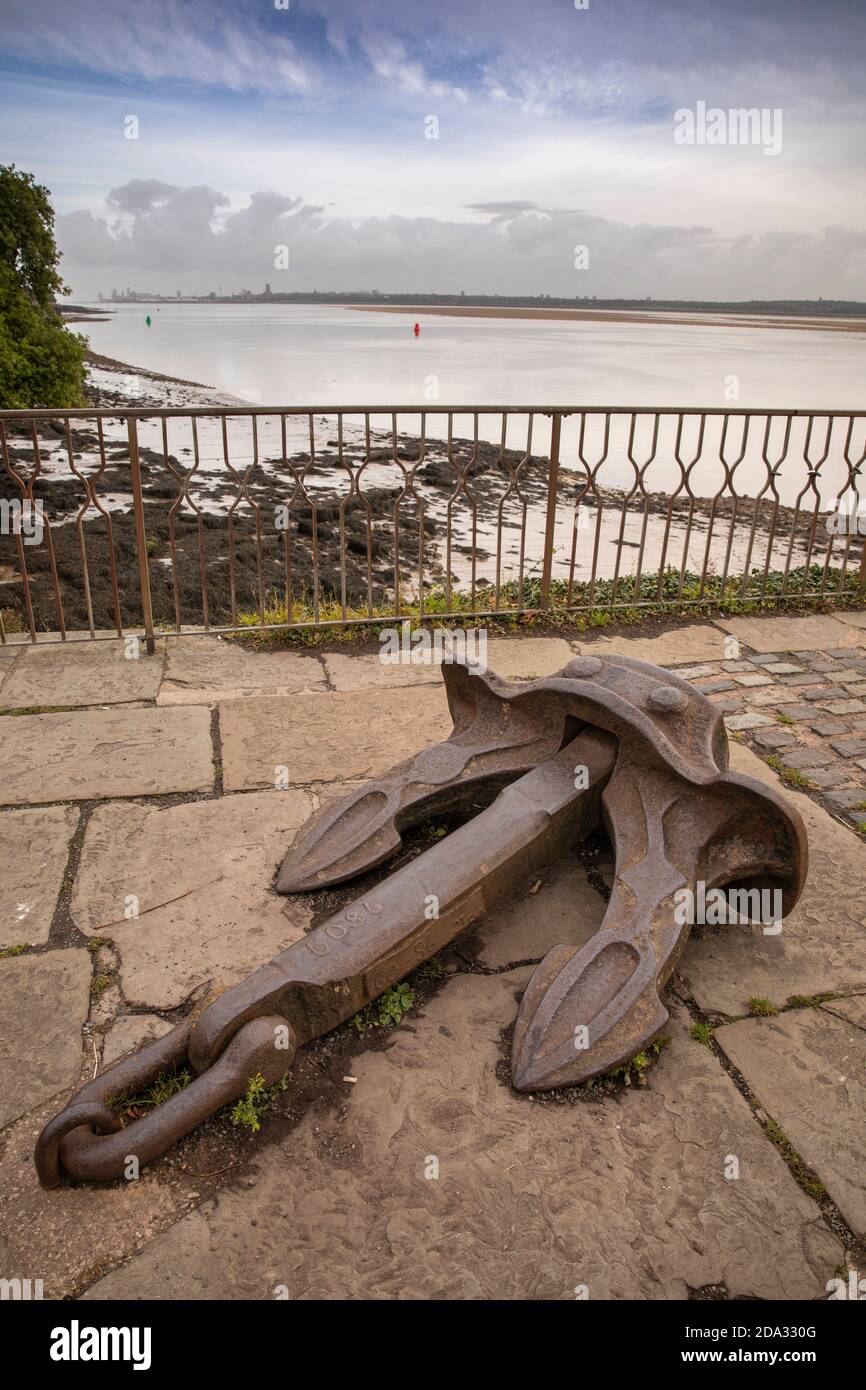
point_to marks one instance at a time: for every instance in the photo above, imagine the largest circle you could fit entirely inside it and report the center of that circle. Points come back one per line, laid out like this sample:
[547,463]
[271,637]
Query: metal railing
[119,521]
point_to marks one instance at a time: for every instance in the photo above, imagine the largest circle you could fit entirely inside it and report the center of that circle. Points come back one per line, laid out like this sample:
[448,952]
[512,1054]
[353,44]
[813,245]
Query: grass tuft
[761,1007]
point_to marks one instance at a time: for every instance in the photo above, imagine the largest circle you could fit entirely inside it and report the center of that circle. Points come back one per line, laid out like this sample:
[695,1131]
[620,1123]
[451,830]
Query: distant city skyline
[682,149]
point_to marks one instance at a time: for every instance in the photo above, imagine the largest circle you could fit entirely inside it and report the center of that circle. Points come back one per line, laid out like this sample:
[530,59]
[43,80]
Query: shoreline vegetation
[190,549]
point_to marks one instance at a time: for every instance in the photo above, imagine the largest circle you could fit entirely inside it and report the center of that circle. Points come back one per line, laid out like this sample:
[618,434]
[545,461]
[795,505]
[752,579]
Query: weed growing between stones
[633,1072]
[761,1007]
[387,1010]
[701,1032]
[804,1175]
[791,776]
[259,1097]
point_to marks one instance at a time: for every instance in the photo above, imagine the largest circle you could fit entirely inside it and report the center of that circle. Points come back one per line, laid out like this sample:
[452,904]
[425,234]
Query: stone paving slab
[529,658]
[813,632]
[822,944]
[113,752]
[366,672]
[807,1069]
[83,673]
[129,1033]
[693,642]
[329,737]
[627,1197]
[71,1236]
[203,670]
[750,720]
[34,851]
[851,1007]
[853,619]
[523,658]
[202,875]
[83,754]
[44,1000]
[7,660]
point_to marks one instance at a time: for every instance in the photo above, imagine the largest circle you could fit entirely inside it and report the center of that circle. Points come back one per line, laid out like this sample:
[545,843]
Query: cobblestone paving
[805,714]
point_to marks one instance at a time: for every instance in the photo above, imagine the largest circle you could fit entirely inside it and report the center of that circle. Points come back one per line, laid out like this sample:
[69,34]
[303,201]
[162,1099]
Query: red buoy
[417,329]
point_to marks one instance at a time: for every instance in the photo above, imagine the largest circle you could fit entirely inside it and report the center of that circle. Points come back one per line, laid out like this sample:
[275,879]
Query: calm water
[286,355]
[317,358]
[307,356]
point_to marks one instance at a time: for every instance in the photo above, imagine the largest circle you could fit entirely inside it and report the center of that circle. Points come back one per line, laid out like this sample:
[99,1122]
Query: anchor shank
[327,976]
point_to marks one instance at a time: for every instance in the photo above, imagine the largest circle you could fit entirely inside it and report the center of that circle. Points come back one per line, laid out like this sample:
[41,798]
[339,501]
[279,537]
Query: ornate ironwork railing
[116,521]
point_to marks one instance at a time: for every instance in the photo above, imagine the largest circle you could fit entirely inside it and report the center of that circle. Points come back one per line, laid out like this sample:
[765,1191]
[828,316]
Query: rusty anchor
[606,739]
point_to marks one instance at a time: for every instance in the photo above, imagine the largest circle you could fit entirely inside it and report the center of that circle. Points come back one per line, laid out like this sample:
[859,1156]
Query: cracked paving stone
[845,707]
[807,1069]
[327,738]
[105,753]
[83,673]
[628,1197]
[199,875]
[34,850]
[822,944]
[203,670]
[44,1001]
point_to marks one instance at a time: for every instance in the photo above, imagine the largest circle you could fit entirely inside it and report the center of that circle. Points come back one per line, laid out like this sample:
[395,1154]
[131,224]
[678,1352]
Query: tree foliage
[41,362]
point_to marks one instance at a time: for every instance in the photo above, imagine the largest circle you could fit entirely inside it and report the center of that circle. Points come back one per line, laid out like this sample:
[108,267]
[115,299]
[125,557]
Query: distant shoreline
[686,318]
[724,317]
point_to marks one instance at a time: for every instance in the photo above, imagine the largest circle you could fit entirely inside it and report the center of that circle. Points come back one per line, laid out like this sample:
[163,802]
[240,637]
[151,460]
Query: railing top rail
[149,412]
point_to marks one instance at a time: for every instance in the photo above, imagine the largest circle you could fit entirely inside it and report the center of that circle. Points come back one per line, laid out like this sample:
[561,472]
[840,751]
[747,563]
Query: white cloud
[160,41]
[186,237]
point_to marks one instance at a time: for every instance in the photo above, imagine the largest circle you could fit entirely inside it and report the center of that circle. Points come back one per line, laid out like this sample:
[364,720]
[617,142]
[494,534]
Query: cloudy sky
[307,124]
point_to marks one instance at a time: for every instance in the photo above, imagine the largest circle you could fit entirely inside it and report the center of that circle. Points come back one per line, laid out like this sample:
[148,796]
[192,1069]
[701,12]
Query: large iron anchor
[610,739]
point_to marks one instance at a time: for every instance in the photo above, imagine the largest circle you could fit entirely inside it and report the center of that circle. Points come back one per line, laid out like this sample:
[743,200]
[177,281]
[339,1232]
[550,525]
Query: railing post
[140,535]
[550,522]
